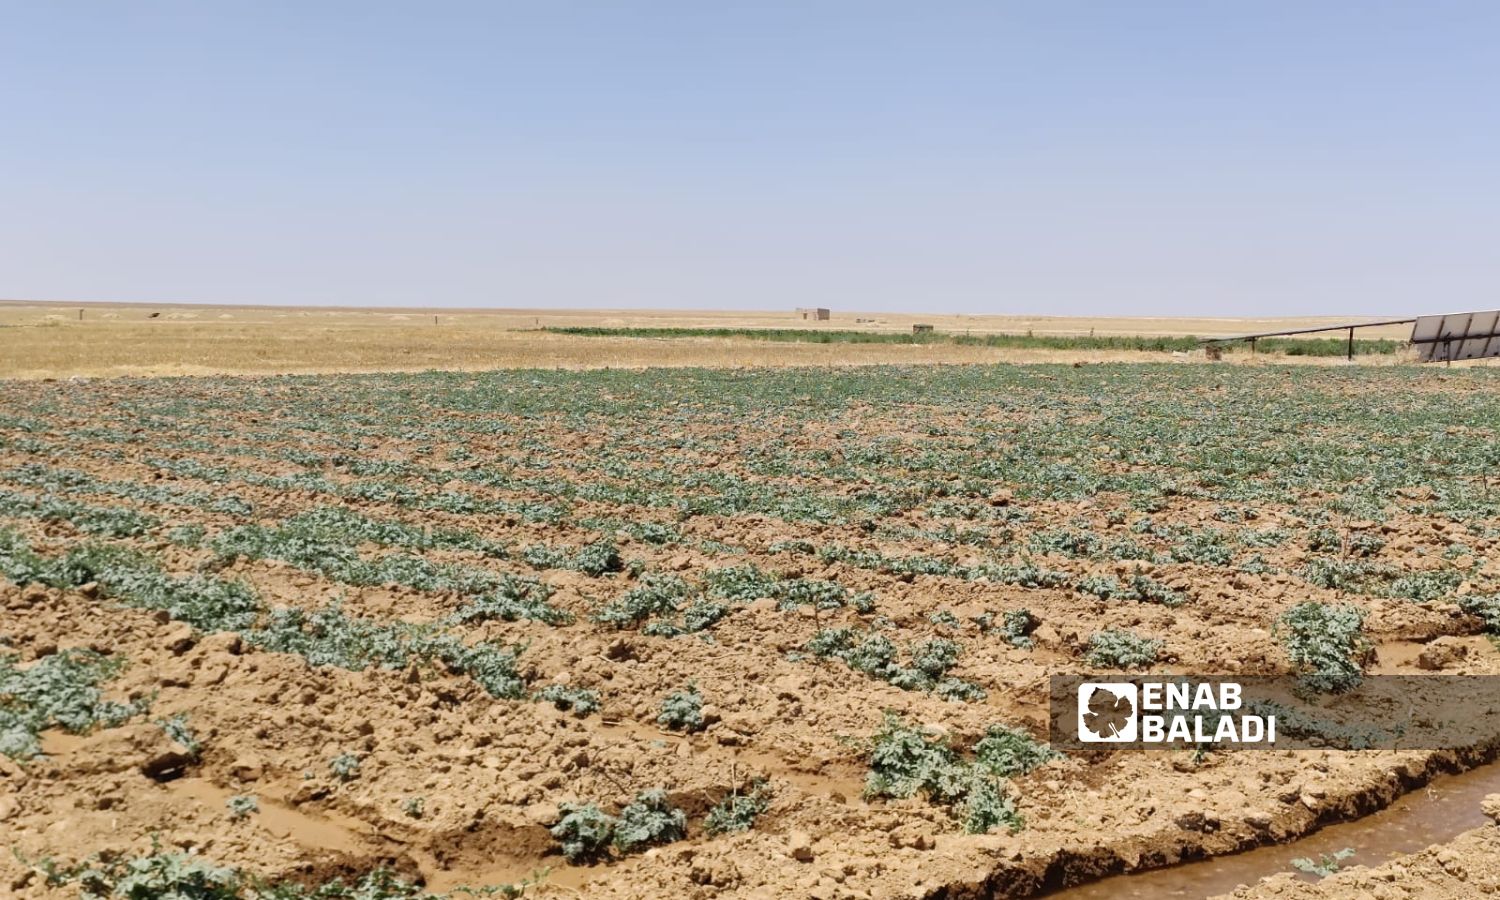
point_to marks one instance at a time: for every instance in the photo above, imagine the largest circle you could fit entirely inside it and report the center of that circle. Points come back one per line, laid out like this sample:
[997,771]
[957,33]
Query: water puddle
[740,761]
[842,780]
[557,874]
[277,818]
[1400,657]
[1446,807]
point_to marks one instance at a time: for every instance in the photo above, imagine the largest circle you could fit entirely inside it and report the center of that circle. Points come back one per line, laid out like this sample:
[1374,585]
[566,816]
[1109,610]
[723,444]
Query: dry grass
[49,340]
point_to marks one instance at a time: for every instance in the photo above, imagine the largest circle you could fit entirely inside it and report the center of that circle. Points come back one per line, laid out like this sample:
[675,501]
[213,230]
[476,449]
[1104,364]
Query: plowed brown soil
[491,774]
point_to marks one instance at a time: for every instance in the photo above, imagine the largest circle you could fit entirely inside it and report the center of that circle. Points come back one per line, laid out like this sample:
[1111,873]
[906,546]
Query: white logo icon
[1108,712]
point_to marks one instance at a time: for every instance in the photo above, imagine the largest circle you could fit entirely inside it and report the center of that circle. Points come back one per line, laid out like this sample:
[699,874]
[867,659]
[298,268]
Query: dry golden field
[99,340]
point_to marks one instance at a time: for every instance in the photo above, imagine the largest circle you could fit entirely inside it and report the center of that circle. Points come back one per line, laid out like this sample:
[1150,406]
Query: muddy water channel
[1431,815]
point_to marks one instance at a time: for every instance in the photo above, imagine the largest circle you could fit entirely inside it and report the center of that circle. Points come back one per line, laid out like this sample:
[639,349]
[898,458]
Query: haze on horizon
[1072,158]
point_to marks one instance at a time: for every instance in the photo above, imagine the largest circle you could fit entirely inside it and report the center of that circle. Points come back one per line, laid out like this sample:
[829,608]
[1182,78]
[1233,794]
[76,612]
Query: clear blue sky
[1199,157]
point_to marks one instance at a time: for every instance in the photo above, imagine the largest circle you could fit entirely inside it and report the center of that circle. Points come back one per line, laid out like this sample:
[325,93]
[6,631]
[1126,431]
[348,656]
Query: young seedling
[649,821]
[1326,643]
[682,710]
[585,832]
[345,767]
[177,729]
[1325,865]
[242,806]
[580,701]
[737,812]
[1115,648]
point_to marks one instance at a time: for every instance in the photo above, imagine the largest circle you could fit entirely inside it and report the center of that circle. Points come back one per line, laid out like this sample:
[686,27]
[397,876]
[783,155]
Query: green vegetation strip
[1288,346]
[58,691]
[907,760]
[187,876]
[325,637]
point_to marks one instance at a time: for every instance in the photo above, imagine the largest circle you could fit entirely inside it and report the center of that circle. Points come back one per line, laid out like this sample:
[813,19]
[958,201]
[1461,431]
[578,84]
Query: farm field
[710,632]
[54,340]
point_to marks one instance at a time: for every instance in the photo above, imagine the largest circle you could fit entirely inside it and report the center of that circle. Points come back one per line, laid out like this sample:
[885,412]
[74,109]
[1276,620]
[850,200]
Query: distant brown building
[814,313]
